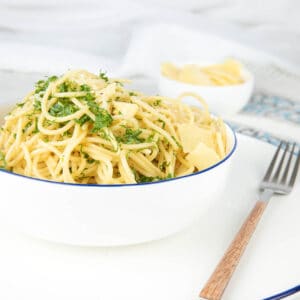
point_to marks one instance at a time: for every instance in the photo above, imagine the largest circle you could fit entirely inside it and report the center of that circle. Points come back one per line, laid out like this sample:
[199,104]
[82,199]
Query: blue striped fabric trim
[258,134]
[275,107]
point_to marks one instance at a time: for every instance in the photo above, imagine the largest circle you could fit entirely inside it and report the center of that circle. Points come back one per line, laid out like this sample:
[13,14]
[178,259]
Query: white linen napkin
[24,57]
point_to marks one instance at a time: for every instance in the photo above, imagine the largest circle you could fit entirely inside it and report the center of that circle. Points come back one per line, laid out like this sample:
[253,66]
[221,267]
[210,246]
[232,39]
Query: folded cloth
[36,58]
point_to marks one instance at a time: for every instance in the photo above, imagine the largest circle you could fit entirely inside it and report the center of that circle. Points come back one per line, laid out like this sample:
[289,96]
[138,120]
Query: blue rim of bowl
[135,184]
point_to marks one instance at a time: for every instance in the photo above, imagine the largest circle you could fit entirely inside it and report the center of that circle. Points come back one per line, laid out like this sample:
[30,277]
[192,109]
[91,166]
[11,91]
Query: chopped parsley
[20,104]
[157,102]
[36,129]
[177,143]
[164,165]
[2,161]
[169,176]
[103,76]
[163,123]
[131,137]
[103,134]
[150,138]
[42,85]
[86,156]
[67,133]
[68,86]
[37,105]
[63,88]
[142,178]
[119,83]
[83,119]
[103,119]
[85,88]
[63,107]
[26,126]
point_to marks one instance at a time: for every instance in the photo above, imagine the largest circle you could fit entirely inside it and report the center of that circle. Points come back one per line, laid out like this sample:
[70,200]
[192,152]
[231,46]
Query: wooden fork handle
[215,286]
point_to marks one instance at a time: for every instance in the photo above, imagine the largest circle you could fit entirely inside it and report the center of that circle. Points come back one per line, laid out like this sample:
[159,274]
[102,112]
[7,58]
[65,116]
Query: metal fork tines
[282,171]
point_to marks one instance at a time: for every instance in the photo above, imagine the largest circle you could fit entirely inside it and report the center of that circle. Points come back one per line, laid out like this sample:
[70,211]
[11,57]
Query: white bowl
[222,100]
[108,215]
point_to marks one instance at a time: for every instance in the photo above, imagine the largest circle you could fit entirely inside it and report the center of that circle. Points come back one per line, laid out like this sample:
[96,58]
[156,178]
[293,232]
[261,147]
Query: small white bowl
[110,215]
[222,100]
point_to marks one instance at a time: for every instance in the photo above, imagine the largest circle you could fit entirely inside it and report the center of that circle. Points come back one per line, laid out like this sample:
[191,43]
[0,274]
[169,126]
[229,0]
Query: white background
[104,27]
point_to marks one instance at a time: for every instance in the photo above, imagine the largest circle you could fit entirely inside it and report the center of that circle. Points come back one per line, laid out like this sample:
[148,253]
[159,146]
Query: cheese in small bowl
[228,72]
[226,86]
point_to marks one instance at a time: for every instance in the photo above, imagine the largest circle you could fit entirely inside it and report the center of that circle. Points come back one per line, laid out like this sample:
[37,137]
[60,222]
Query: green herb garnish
[36,129]
[169,176]
[26,126]
[164,165]
[131,137]
[103,76]
[177,143]
[63,88]
[85,88]
[37,105]
[163,123]
[150,138]
[103,119]
[142,179]
[83,119]
[86,156]
[63,107]
[3,163]
[67,133]
[157,102]
[103,134]
[68,86]
[42,85]
[119,83]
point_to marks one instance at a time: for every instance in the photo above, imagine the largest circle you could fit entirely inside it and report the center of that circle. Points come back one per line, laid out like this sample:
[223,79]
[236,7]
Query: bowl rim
[135,184]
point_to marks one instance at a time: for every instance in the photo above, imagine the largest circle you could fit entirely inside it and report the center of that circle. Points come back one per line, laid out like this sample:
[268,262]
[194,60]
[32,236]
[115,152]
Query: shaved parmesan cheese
[169,70]
[190,135]
[126,109]
[203,157]
[193,74]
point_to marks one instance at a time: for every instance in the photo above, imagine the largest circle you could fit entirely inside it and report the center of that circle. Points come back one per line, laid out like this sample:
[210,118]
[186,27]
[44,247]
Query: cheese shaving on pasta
[227,73]
[88,129]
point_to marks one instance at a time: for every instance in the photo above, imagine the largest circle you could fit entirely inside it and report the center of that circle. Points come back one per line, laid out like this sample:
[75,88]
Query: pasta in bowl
[98,164]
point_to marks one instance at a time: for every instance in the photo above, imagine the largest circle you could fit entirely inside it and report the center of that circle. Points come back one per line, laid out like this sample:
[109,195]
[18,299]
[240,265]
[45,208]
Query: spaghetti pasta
[84,128]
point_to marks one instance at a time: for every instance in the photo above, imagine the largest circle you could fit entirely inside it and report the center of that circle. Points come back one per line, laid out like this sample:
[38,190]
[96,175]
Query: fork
[277,181]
